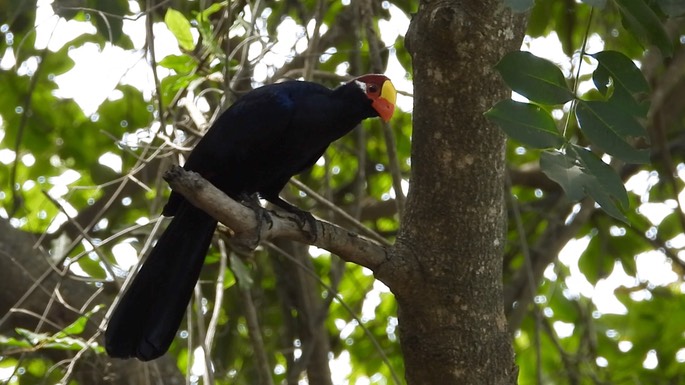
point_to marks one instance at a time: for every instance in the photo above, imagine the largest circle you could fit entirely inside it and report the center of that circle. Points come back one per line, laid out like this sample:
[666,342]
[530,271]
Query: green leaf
[92,267]
[565,309]
[622,70]
[579,181]
[597,265]
[602,79]
[643,23]
[527,123]
[563,170]
[182,64]
[241,272]
[170,85]
[77,327]
[57,341]
[11,342]
[61,340]
[627,80]
[607,188]
[212,9]
[229,279]
[608,126]
[180,27]
[535,78]
[608,179]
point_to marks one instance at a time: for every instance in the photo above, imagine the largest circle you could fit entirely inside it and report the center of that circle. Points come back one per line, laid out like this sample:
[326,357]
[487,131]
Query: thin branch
[530,278]
[208,375]
[42,317]
[218,296]
[190,343]
[543,252]
[576,80]
[254,331]
[389,135]
[88,238]
[566,358]
[241,219]
[312,58]
[129,277]
[339,211]
[72,363]
[150,42]
[23,122]
[334,295]
[57,6]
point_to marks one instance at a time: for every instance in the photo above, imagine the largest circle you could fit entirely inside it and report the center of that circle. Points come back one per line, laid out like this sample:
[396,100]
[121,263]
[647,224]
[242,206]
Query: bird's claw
[304,218]
[261,214]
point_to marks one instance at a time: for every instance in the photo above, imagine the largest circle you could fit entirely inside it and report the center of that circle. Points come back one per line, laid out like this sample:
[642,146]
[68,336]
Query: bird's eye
[372,88]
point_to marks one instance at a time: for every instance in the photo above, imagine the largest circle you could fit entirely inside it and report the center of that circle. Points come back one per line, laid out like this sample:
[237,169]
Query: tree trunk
[446,267]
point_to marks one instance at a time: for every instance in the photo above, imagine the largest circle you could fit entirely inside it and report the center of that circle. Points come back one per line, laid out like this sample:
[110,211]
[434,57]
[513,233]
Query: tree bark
[446,267]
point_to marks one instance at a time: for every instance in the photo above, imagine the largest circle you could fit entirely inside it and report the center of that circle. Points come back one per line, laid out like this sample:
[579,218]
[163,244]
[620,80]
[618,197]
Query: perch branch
[242,221]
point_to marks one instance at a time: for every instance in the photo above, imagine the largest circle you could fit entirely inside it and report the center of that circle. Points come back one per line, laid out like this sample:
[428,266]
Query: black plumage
[263,139]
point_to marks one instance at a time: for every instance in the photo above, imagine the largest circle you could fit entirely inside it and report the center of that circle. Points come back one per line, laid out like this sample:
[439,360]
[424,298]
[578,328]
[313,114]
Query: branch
[254,331]
[243,222]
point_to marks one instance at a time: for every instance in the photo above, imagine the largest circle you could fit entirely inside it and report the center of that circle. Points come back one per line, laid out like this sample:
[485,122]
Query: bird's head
[382,93]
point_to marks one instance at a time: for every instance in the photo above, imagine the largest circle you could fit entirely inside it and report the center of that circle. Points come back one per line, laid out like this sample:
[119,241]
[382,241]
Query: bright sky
[99,69]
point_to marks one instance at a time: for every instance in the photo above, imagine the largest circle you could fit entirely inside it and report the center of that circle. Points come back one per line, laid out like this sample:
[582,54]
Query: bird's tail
[148,316]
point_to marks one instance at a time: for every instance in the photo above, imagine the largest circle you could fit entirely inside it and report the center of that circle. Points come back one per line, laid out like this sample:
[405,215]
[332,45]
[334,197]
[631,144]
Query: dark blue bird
[264,138]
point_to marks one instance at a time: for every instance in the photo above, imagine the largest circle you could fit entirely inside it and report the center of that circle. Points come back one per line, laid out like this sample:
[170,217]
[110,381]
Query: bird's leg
[304,217]
[262,214]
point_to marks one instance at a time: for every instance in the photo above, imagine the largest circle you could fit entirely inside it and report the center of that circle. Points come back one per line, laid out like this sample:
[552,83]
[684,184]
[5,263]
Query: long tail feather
[148,316]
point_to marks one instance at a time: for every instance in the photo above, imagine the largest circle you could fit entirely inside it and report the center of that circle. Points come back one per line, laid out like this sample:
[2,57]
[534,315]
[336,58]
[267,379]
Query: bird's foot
[261,214]
[304,218]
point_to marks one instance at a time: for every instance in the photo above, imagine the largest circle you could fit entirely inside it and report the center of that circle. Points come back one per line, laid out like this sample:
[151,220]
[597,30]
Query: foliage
[594,144]
[102,170]
[608,124]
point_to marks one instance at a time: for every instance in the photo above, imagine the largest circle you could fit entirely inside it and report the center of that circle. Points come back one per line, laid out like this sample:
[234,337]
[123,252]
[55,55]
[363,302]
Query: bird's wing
[255,122]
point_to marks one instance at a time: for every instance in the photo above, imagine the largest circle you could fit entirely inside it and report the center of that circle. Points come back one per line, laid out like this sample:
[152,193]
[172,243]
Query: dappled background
[98,99]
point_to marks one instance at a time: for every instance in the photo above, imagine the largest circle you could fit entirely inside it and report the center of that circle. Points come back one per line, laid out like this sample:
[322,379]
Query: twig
[85,235]
[532,283]
[129,279]
[40,317]
[26,112]
[218,296]
[341,301]
[150,43]
[572,371]
[254,331]
[208,375]
[160,4]
[310,64]
[338,211]
[389,135]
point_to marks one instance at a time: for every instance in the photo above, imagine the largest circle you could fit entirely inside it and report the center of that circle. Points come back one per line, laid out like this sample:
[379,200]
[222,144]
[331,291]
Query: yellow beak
[385,104]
